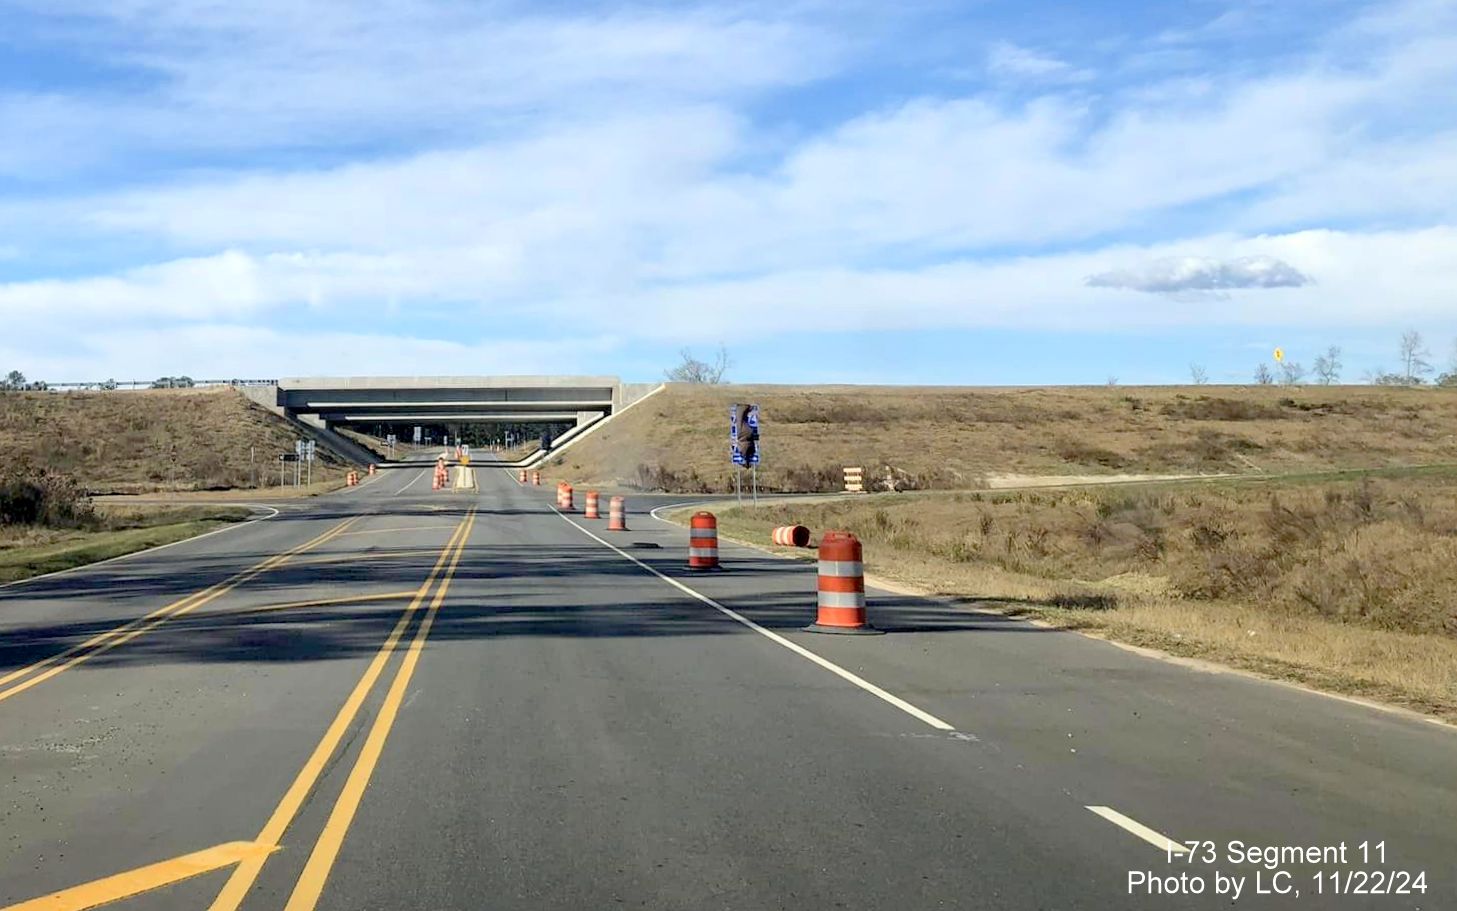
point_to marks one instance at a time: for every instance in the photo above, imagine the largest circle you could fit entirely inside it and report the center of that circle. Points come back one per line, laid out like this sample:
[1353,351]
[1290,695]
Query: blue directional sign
[744,434]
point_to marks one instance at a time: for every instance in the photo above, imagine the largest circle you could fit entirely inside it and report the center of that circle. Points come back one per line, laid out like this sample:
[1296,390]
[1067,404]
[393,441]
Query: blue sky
[920,192]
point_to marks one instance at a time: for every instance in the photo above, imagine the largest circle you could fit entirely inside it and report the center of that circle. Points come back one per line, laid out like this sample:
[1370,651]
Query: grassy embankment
[29,550]
[961,438]
[1344,583]
[163,440]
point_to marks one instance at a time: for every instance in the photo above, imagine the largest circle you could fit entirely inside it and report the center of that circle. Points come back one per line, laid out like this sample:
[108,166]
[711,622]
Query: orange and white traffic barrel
[371,468]
[617,514]
[703,541]
[841,586]
[536,478]
[564,498]
[521,476]
[790,536]
[590,509]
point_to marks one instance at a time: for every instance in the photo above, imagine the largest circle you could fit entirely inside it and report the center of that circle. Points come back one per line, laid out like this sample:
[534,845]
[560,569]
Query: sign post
[283,460]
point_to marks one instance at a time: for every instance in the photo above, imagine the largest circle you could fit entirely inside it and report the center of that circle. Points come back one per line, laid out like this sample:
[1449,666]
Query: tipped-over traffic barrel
[790,536]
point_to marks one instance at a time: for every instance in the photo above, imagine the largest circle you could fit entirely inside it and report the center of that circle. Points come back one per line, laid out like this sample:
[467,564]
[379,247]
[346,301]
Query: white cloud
[1009,61]
[226,350]
[626,196]
[1358,279]
[605,176]
[280,75]
[1181,274]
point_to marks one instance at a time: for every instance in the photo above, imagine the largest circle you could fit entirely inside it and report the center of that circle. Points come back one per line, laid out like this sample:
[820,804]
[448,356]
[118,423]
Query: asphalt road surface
[399,698]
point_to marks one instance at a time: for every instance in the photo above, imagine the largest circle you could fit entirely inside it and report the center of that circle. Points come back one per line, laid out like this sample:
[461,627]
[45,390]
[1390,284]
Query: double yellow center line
[321,860]
[45,669]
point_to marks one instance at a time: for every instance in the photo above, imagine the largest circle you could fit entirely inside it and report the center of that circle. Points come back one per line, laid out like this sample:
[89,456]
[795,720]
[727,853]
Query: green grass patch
[34,553]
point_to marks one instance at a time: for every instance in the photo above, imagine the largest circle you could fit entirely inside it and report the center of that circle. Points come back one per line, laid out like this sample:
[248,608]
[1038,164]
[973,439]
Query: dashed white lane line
[832,667]
[1162,842]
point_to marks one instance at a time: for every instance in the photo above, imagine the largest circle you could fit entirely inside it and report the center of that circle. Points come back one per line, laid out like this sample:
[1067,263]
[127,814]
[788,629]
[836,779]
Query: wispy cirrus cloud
[1006,60]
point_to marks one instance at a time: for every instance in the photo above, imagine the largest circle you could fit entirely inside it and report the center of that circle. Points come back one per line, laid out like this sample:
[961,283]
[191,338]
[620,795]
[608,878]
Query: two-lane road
[398,698]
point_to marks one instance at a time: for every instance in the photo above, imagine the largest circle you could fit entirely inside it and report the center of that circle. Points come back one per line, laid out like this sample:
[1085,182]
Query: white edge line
[1162,842]
[798,649]
[654,512]
[137,553]
[411,482]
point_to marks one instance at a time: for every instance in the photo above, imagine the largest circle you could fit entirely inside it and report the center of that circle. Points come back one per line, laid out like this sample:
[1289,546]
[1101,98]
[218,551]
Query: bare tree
[1328,366]
[692,370]
[1112,381]
[1198,374]
[1291,373]
[1414,354]
[13,380]
[1263,376]
[1379,377]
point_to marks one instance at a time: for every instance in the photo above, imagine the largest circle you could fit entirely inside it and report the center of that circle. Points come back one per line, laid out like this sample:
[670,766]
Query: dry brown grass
[939,437]
[154,440]
[1345,585]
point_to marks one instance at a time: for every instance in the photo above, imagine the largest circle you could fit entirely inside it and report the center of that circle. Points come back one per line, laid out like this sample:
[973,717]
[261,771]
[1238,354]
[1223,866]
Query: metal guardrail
[110,385]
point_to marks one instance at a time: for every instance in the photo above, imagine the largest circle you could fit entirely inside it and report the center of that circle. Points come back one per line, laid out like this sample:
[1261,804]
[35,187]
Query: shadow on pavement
[497,592]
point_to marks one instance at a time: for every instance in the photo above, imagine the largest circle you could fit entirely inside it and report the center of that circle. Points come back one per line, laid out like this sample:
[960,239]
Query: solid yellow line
[311,882]
[105,642]
[145,879]
[243,878]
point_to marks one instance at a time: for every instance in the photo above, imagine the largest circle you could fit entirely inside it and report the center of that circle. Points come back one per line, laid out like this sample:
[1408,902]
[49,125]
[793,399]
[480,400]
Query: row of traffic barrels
[841,583]
[841,586]
[616,506]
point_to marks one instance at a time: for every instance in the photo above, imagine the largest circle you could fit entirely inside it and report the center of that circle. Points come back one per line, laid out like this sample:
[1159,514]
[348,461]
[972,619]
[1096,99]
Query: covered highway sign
[744,434]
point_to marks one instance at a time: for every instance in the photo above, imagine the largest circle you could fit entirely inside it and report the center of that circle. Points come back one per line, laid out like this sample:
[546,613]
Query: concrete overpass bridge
[457,399]
[580,402]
